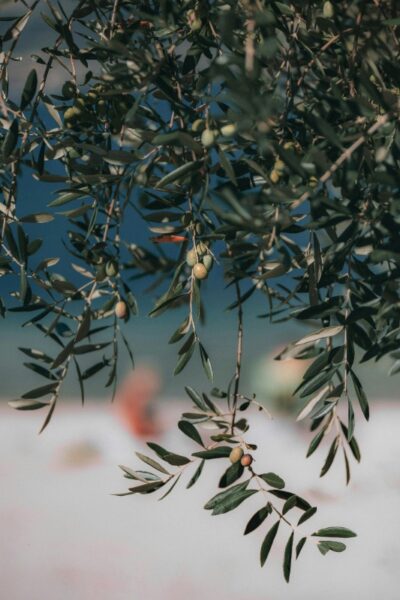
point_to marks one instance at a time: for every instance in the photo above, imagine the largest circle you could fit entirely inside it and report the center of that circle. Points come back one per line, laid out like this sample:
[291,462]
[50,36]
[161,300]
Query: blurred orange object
[135,402]
[169,239]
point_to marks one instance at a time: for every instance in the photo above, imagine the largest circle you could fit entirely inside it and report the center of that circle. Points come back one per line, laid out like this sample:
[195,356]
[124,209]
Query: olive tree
[260,137]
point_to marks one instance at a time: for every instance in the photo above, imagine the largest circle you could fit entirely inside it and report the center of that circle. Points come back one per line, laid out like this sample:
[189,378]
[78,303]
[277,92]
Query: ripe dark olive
[68,90]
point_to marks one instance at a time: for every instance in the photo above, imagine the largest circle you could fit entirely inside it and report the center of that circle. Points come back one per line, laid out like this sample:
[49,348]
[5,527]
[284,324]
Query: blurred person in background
[135,402]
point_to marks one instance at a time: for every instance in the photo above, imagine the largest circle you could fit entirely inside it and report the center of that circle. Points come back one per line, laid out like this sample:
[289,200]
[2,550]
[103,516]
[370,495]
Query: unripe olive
[111,268]
[72,113]
[313,182]
[199,228]
[208,261]
[199,271]
[228,130]
[91,97]
[195,23]
[120,309]
[328,11]
[201,248]
[198,125]
[208,138]
[191,258]
[236,454]
[274,176]
[279,165]
[288,145]
[246,460]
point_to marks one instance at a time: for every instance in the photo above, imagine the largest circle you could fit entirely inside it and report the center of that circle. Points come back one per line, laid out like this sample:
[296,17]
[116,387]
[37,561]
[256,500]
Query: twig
[381,120]
[239,350]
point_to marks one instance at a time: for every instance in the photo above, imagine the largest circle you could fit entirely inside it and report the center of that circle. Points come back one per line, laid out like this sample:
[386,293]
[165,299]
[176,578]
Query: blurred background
[64,535]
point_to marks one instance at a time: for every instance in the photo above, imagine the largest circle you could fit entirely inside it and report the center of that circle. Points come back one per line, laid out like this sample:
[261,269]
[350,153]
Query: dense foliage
[258,135]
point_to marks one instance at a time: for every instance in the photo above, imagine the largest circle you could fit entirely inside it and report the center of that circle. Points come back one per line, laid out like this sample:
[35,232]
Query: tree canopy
[260,137]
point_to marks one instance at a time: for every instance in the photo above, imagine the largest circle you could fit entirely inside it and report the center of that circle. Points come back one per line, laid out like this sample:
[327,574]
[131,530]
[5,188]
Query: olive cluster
[94,107]
[200,260]
[209,134]
[238,455]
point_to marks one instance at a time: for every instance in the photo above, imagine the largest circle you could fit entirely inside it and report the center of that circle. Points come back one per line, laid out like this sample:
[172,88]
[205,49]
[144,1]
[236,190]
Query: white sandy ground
[64,537]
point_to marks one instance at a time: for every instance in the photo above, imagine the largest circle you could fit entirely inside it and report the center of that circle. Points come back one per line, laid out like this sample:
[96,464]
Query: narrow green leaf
[300,546]
[193,395]
[258,518]
[219,452]
[233,502]
[196,474]
[267,543]
[307,515]
[273,480]
[287,558]
[190,430]
[340,532]
[206,362]
[232,474]
[221,496]
[27,404]
[171,458]
[151,463]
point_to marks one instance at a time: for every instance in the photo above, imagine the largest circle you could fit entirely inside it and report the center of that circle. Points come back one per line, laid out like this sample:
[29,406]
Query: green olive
[191,258]
[275,176]
[71,115]
[228,130]
[91,97]
[236,454]
[111,268]
[208,261]
[208,138]
[201,248]
[195,23]
[328,11]
[198,125]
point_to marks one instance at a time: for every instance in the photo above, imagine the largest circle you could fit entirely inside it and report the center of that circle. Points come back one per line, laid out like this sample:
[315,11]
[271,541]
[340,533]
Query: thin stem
[380,122]
[239,351]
